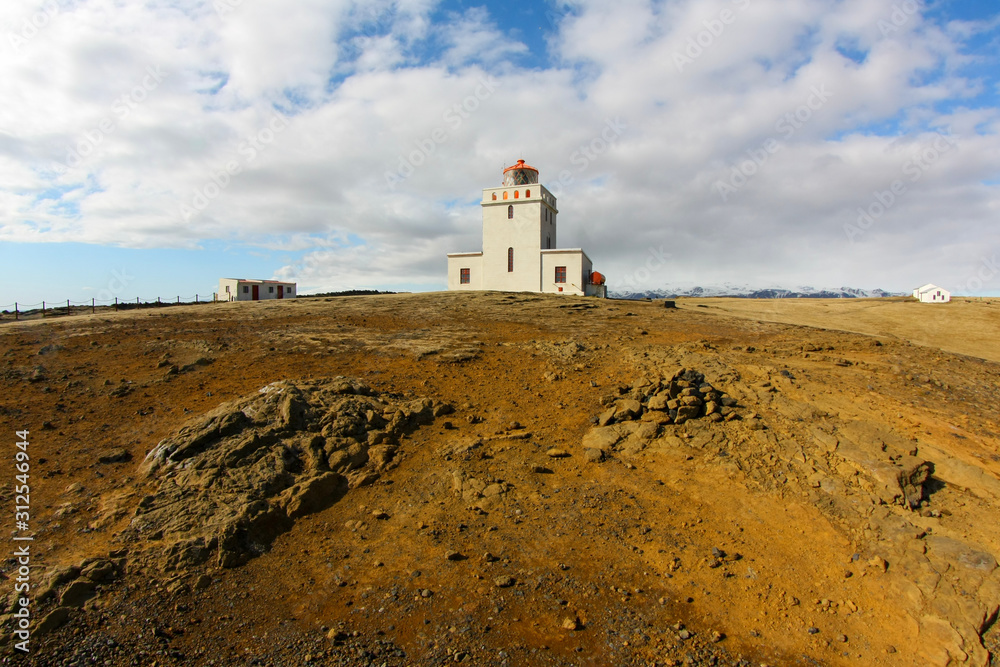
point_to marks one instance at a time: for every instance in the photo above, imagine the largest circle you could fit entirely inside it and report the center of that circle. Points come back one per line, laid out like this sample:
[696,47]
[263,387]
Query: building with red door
[242,289]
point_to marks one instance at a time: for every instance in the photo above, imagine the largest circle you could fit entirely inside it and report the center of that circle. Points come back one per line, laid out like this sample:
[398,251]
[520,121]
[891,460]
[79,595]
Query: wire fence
[21,311]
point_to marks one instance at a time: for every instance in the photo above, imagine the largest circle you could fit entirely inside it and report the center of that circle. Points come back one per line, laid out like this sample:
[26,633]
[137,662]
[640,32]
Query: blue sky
[755,142]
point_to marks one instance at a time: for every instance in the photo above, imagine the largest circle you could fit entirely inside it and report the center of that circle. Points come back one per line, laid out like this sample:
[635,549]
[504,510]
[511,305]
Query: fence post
[178,301]
[67,307]
[116,304]
[136,302]
[196,298]
[157,301]
[43,309]
[93,305]
[15,311]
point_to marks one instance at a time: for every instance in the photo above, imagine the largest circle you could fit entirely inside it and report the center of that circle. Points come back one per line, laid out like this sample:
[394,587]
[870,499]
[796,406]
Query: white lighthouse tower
[519,244]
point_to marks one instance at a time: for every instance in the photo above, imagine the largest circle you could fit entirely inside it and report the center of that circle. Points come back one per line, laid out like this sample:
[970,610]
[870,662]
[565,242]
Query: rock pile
[634,417]
[237,477]
[682,396]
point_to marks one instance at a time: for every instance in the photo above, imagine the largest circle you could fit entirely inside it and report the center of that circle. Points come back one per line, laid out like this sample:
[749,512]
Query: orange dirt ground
[595,562]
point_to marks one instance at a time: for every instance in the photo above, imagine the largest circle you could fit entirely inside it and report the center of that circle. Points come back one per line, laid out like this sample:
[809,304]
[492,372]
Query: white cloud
[373,88]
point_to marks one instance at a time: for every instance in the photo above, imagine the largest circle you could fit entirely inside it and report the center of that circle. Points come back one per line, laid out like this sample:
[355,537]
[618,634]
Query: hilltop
[510,479]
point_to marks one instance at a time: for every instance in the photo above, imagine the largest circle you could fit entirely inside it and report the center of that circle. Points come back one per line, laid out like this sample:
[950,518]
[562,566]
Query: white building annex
[519,244]
[241,289]
[930,293]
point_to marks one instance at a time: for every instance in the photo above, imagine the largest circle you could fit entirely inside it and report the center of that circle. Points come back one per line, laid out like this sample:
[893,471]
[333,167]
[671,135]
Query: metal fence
[18,310]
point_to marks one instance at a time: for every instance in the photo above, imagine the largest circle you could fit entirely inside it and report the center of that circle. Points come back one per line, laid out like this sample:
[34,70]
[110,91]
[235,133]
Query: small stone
[717,636]
[813,630]
[842,639]
[571,623]
[593,454]
[557,453]
[117,455]
[504,581]
[426,593]
[489,558]
[890,649]
[453,555]
[684,634]
[878,563]
[379,515]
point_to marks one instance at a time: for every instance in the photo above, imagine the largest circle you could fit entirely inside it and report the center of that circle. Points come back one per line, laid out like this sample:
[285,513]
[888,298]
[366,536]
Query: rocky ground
[501,479]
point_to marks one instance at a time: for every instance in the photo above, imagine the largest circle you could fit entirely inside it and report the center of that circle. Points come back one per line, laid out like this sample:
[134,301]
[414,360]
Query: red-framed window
[510,260]
[560,274]
[464,276]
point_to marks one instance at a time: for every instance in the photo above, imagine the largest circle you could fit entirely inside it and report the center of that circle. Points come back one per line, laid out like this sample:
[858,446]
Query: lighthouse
[520,252]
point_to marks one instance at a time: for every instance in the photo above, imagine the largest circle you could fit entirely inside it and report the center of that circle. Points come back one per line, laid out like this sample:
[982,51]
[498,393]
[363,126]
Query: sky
[148,149]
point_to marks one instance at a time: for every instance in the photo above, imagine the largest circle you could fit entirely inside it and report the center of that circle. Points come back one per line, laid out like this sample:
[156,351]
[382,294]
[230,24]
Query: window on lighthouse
[494,196]
[510,260]
[505,194]
[516,193]
[548,242]
[510,212]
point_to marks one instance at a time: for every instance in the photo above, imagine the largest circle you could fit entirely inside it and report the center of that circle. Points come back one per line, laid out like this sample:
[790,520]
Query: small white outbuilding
[931,293]
[241,289]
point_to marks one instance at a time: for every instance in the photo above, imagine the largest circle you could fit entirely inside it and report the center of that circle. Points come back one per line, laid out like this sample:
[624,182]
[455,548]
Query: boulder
[313,495]
[99,570]
[238,476]
[602,438]
[78,593]
[51,621]
[627,409]
[658,402]
[686,412]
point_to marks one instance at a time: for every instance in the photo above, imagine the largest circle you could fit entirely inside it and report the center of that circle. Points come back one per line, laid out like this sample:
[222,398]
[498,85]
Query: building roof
[928,287]
[520,165]
[255,280]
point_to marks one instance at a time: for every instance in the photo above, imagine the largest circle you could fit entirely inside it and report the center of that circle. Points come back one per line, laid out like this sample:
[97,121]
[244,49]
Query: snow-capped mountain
[746,292]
